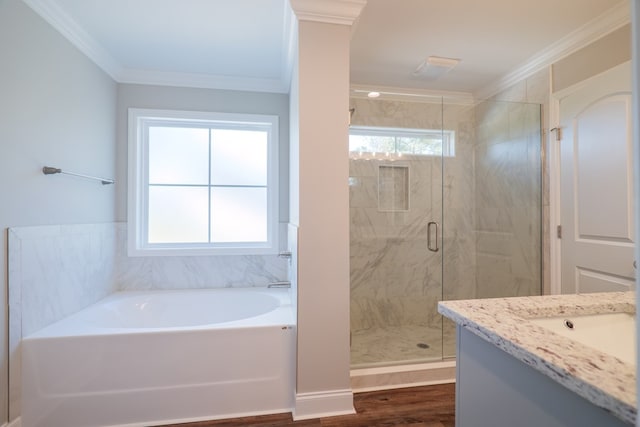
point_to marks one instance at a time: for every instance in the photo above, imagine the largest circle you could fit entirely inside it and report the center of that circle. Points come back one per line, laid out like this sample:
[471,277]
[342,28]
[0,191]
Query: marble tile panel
[493,276]
[515,93]
[363,192]
[197,272]
[395,345]
[62,270]
[393,188]
[494,243]
[398,114]
[363,167]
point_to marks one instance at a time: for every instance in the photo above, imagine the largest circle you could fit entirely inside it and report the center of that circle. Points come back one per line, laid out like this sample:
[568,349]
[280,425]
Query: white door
[597,184]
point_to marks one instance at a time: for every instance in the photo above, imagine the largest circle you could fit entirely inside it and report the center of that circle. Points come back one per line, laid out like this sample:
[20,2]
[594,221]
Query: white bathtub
[150,358]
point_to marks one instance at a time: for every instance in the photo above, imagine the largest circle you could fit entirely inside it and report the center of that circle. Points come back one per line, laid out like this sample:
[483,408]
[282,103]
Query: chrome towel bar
[48,170]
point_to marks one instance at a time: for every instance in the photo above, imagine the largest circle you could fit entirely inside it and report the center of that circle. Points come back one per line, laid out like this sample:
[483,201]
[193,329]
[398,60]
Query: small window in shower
[378,142]
[393,188]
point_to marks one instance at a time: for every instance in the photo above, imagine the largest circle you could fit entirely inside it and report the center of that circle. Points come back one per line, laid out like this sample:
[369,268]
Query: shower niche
[393,188]
[445,203]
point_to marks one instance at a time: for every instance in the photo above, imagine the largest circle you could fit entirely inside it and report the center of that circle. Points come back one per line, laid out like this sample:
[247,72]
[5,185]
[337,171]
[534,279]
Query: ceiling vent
[434,67]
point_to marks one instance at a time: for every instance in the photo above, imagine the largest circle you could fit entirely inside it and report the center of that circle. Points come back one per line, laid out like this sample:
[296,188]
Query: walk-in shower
[445,203]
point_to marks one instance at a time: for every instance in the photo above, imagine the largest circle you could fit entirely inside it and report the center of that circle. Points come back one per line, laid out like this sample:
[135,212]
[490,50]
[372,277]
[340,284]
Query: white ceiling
[246,44]
[491,37]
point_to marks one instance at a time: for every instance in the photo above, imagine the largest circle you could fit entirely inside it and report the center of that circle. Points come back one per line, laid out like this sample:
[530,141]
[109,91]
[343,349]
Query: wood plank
[428,406]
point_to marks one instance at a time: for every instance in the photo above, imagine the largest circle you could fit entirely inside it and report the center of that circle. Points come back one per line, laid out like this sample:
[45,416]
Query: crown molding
[343,12]
[203,81]
[51,12]
[593,30]
[388,93]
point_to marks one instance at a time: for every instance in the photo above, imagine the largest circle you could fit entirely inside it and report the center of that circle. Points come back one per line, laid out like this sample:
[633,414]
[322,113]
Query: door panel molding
[599,177]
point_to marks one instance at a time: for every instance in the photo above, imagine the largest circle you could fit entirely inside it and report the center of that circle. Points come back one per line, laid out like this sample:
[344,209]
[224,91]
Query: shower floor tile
[396,345]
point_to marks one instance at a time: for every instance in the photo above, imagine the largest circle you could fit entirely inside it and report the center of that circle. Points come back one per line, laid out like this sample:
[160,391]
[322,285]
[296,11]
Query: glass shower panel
[395,238]
[492,205]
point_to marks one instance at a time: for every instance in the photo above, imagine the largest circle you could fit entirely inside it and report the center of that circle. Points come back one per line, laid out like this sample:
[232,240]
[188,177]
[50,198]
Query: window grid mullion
[207,185]
[209,189]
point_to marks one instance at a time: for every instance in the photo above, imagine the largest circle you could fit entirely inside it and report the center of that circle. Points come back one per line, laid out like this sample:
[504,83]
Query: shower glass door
[445,203]
[492,204]
[396,156]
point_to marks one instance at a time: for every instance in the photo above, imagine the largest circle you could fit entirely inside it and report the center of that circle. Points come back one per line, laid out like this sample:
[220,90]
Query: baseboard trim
[15,423]
[323,404]
[386,378]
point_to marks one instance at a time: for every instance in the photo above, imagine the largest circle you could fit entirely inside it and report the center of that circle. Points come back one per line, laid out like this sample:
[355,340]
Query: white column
[322,90]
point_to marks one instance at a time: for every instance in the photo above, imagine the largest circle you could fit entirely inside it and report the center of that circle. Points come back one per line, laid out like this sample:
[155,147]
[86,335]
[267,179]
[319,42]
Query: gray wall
[598,57]
[57,109]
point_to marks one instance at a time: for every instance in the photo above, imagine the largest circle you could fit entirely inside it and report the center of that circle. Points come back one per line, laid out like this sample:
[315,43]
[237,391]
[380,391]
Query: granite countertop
[600,378]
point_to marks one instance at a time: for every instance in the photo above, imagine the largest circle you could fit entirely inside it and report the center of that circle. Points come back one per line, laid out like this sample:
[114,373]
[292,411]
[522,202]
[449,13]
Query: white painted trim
[343,12]
[555,244]
[204,81]
[15,423]
[593,30]
[392,377]
[635,93]
[323,404]
[54,14]
[413,95]
[396,386]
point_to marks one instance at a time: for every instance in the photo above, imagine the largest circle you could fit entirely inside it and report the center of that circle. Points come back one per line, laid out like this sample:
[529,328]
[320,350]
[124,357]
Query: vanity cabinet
[494,389]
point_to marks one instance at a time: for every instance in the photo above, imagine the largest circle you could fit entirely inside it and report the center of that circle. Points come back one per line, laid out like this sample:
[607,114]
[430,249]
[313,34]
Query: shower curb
[401,376]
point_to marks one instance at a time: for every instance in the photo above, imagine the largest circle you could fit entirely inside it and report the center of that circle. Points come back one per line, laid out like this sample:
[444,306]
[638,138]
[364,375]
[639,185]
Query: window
[202,183]
[364,140]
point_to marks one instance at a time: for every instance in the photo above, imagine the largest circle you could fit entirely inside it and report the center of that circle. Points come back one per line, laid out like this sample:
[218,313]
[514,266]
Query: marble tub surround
[601,379]
[57,270]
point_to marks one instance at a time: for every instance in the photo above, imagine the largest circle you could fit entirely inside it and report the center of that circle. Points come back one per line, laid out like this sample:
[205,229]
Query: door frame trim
[555,244]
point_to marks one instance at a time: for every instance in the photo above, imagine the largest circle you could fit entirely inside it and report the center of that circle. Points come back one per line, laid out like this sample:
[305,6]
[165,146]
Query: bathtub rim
[75,325]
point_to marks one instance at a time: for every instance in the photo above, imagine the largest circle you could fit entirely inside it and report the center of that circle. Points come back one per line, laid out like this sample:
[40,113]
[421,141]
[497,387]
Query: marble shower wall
[508,199]
[395,279]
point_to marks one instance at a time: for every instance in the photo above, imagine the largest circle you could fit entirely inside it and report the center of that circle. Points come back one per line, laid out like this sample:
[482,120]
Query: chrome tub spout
[281,284]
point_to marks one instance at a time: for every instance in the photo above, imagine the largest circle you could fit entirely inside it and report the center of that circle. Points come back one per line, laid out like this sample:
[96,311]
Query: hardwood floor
[428,406]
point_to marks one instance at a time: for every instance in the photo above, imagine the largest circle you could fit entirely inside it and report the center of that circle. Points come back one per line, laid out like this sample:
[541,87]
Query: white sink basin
[611,333]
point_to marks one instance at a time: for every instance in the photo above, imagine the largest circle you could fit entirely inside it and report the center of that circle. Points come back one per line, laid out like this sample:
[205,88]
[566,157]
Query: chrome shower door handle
[431,225]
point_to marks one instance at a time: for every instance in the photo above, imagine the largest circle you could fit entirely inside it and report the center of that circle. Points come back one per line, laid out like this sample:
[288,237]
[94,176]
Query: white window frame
[448,137]
[138,182]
